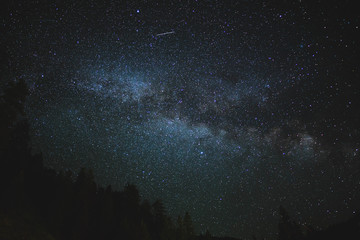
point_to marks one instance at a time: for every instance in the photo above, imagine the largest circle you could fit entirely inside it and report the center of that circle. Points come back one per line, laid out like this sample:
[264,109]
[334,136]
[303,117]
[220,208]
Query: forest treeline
[39,203]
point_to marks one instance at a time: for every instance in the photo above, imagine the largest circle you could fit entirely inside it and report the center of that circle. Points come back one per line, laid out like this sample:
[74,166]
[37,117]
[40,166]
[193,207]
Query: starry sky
[225,109]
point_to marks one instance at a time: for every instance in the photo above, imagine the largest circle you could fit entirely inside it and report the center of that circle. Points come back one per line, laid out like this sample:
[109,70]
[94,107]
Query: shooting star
[165,33]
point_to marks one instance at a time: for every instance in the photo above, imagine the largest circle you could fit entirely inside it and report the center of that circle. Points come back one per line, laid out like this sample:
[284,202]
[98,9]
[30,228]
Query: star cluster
[224,110]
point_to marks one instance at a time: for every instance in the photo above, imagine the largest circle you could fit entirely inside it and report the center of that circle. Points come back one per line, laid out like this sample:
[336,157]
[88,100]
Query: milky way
[224,110]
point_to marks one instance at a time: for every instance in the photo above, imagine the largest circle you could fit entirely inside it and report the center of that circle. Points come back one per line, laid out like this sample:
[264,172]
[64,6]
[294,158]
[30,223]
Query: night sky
[225,109]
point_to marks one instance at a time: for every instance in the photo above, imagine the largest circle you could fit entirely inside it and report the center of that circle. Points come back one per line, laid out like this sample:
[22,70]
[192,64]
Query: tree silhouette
[14,150]
[188,226]
[160,221]
[180,231]
[288,229]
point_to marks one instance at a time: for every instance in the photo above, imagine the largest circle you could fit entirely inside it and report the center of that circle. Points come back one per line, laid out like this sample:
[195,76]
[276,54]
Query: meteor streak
[165,33]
